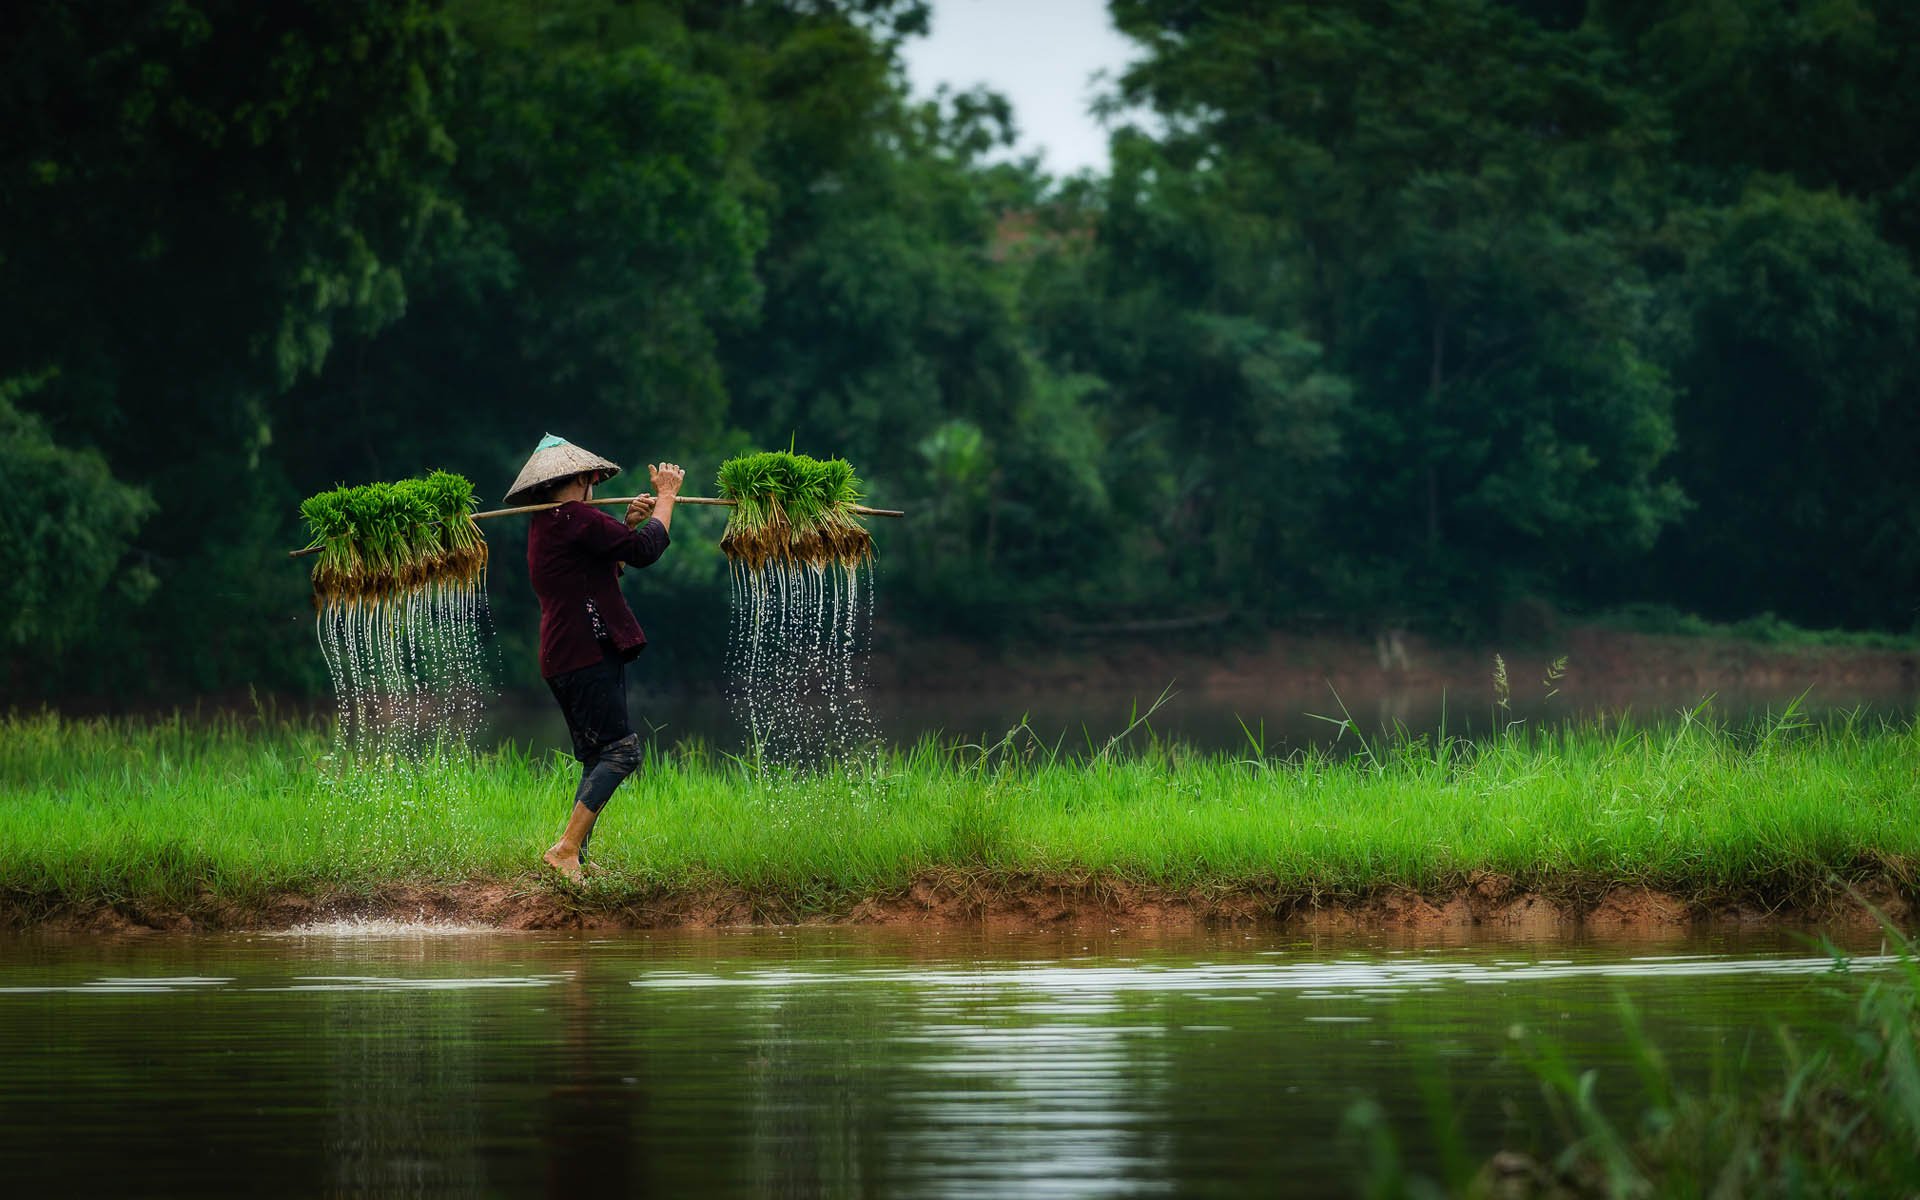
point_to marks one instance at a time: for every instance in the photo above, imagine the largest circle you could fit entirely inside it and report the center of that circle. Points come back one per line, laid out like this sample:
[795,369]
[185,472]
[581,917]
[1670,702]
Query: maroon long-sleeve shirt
[574,554]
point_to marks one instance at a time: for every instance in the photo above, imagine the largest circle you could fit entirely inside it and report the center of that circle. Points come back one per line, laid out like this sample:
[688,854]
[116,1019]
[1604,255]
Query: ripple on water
[390,983]
[1341,978]
[379,927]
[124,985]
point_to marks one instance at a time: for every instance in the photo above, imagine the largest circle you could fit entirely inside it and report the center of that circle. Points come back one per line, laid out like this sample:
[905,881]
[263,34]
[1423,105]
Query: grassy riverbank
[202,820]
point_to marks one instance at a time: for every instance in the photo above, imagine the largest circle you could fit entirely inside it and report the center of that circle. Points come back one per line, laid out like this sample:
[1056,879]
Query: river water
[1278,722]
[407,1060]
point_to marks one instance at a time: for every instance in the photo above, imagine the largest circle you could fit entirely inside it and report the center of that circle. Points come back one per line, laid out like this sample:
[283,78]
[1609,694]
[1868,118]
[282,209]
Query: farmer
[587,632]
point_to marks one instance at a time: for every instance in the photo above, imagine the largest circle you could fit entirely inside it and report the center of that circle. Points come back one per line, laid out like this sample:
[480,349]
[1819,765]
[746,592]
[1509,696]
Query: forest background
[1389,312]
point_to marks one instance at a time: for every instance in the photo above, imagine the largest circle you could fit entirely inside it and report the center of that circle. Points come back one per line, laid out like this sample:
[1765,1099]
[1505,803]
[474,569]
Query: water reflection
[822,1062]
[394,1075]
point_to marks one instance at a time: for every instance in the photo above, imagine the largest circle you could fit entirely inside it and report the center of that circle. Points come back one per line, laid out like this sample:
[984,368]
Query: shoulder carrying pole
[614,501]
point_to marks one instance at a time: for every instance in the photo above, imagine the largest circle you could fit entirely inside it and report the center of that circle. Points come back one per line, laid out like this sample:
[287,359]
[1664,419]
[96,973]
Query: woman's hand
[666,481]
[638,510]
[667,478]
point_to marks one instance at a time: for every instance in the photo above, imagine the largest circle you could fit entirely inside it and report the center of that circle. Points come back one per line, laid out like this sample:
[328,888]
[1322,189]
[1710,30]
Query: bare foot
[567,862]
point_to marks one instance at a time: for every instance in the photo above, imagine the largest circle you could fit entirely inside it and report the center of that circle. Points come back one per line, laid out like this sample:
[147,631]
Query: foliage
[202,200]
[1845,1111]
[1416,274]
[66,525]
[1402,312]
[1822,94]
[1840,1119]
[1764,629]
[1800,371]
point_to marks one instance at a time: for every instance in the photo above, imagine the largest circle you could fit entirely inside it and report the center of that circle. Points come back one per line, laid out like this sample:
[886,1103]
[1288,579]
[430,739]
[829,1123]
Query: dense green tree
[1222,422]
[684,229]
[65,530]
[1438,199]
[890,335]
[1394,310]
[1791,305]
[603,231]
[1800,369]
[1827,92]
[201,199]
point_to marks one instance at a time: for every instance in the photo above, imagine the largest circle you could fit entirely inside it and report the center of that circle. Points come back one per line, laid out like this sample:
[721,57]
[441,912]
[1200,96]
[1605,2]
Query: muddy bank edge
[951,899]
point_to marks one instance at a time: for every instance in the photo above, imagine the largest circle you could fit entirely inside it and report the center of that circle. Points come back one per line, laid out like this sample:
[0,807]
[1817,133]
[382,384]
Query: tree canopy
[1388,311]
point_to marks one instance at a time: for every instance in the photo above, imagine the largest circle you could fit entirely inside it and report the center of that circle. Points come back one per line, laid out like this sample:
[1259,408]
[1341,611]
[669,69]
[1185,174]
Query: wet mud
[1484,904]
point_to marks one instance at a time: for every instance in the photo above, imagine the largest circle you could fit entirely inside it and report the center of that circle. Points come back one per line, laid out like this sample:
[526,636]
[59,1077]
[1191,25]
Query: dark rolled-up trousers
[594,700]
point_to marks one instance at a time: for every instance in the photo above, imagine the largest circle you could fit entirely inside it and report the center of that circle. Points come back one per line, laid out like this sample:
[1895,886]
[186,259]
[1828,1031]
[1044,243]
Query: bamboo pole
[609,502]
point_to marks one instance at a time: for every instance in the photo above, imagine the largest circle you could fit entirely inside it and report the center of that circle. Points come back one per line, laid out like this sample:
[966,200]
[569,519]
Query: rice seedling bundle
[377,541]
[793,509]
[802,607]
[401,608]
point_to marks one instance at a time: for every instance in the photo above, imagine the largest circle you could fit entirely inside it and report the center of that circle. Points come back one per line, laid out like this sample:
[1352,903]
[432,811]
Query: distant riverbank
[1078,691]
[230,825]
[1597,660]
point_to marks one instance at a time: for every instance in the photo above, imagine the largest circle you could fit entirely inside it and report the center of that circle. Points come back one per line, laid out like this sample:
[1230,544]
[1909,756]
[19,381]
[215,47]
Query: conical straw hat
[555,458]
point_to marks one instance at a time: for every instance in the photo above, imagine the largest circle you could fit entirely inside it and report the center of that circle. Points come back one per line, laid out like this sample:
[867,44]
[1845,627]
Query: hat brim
[551,464]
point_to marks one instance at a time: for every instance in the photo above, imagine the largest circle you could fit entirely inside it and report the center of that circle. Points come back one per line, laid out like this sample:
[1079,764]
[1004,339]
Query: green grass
[174,812]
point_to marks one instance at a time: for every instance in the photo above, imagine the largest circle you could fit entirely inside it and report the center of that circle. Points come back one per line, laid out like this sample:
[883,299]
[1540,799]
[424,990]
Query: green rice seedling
[463,549]
[426,550]
[758,521]
[845,540]
[411,519]
[381,540]
[792,508]
[380,529]
[338,563]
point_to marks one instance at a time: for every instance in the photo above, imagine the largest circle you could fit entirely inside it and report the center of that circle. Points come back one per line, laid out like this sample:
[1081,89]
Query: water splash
[796,660]
[410,676]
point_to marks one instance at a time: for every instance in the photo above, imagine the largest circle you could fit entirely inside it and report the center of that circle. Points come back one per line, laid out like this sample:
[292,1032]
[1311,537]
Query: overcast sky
[1040,54]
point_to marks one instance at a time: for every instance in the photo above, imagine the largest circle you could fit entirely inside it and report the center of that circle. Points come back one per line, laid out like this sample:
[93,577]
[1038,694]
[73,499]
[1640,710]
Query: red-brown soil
[1487,902]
